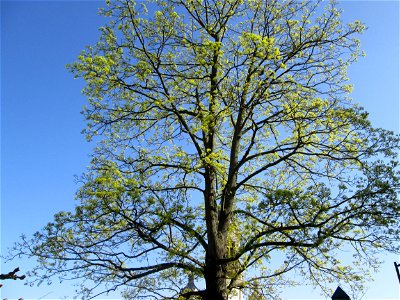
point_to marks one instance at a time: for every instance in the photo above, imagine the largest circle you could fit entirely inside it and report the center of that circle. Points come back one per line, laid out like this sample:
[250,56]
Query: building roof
[339,294]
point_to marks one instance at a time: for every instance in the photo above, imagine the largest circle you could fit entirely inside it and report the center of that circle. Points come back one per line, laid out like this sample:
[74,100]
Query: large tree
[228,151]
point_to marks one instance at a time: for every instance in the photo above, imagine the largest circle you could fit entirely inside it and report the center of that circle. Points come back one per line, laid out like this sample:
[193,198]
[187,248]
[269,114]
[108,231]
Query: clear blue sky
[41,145]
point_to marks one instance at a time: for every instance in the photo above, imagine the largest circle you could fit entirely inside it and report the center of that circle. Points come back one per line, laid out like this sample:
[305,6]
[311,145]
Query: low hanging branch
[12,275]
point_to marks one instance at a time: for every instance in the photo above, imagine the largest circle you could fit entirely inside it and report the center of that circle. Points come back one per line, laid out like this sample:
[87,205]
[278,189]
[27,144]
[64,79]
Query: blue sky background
[41,145]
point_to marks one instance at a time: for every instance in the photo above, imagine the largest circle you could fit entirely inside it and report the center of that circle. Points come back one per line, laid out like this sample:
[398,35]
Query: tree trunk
[215,274]
[215,277]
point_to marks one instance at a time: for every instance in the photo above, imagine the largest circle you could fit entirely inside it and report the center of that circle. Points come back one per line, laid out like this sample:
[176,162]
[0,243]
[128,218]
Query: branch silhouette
[11,275]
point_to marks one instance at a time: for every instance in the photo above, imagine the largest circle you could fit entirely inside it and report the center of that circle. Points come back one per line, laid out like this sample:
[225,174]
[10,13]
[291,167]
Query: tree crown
[227,144]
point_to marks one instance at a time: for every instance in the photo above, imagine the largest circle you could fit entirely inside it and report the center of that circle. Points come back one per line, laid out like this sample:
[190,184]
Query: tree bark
[215,272]
[215,277]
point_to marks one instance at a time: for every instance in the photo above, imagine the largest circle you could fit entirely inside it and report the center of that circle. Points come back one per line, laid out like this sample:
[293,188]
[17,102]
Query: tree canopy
[228,151]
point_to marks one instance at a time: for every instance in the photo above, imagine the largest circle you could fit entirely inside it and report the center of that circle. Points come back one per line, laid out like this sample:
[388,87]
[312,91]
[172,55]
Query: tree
[228,149]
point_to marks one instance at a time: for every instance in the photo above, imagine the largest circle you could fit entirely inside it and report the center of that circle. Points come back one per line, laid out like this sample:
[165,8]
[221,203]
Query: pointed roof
[339,294]
[190,285]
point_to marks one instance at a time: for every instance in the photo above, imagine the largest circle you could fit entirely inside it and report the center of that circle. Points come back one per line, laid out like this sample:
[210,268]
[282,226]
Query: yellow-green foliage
[226,139]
